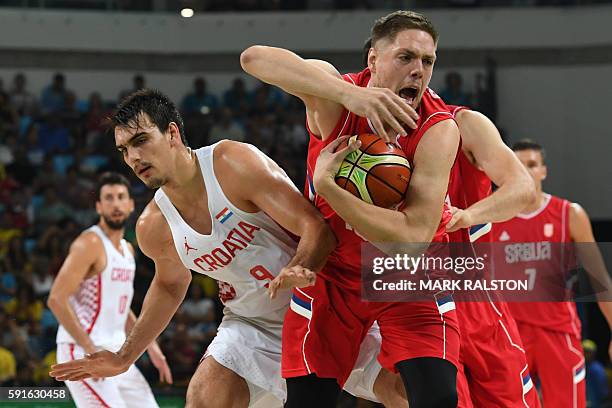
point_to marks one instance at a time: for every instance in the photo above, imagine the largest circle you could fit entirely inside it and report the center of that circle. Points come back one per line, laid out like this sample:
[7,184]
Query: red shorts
[326,324]
[494,370]
[557,361]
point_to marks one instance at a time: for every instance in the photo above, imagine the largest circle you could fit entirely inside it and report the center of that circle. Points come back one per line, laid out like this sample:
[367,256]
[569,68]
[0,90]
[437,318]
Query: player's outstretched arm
[163,298]
[266,187]
[590,257]
[516,189]
[156,355]
[85,252]
[326,94]
[418,221]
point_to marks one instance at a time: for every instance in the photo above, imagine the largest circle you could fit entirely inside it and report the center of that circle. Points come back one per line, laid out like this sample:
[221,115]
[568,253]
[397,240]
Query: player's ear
[131,207]
[175,135]
[544,172]
[372,59]
[98,207]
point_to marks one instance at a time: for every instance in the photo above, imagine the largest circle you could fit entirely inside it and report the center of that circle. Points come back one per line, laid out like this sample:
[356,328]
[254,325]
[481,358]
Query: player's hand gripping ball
[377,172]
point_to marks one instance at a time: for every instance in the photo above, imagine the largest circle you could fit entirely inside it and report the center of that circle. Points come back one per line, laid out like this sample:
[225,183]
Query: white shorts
[251,347]
[361,381]
[129,389]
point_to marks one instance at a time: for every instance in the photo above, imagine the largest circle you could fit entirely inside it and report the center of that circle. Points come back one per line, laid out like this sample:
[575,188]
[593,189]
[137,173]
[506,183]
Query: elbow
[52,302]
[249,56]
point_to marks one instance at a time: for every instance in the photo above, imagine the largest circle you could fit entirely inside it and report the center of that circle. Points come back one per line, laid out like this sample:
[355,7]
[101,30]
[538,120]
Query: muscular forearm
[295,75]
[316,243]
[130,322]
[506,202]
[160,304]
[377,224]
[68,319]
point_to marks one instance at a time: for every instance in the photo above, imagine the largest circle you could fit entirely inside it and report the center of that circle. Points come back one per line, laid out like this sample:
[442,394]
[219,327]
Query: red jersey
[548,224]
[344,264]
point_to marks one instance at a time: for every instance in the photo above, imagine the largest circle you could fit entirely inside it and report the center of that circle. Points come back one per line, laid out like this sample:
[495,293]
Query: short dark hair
[392,24]
[160,109]
[528,144]
[111,178]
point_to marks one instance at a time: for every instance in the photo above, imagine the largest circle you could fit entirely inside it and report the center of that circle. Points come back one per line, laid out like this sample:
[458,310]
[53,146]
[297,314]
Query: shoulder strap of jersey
[168,209]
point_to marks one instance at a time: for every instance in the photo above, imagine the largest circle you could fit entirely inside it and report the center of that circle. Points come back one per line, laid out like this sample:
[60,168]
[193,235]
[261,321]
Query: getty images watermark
[459,266]
[516,272]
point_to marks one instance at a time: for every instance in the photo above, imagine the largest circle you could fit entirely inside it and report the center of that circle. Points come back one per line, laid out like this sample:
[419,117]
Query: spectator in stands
[83,212]
[596,378]
[21,99]
[138,83]
[24,307]
[200,100]
[52,209]
[293,132]
[8,144]
[453,93]
[266,98]
[226,128]
[7,231]
[8,367]
[197,308]
[41,278]
[53,136]
[53,98]
[95,120]
[236,98]
[184,358]
[47,175]
[71,118]
[21,168]
[9,119]
[199,315]
[15,259]
[32,146]
[8,286]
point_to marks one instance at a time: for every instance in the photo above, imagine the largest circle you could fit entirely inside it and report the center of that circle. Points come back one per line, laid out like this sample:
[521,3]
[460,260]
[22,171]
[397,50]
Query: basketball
[377,173]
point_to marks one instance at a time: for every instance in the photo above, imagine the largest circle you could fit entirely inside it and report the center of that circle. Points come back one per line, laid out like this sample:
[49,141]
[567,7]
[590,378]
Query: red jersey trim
[95,394]
[565,222]
[98,301]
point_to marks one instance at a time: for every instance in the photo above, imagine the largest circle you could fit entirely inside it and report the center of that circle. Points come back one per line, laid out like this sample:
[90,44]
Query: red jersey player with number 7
[551,330]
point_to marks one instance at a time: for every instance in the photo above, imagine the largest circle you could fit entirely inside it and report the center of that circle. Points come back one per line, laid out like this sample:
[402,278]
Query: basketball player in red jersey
[420,340]
[493,363]
[495,370]
[551,330]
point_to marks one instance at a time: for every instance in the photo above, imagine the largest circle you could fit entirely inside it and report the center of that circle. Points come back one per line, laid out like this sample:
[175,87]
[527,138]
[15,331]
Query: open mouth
[143,170]
[409,94]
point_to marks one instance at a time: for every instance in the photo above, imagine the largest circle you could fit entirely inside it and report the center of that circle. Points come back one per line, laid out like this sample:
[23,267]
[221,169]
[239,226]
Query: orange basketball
[377,173]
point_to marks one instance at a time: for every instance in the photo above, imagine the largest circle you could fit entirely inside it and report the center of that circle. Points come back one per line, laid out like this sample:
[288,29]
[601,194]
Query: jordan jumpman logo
[188,248]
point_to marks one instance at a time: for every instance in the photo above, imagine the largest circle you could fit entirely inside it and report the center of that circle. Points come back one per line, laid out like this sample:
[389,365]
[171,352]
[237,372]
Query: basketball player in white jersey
[223,210]
[91,299]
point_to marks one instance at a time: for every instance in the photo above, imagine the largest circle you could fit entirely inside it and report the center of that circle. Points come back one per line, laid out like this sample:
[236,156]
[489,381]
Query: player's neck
[186,186]
[114,235]
[537,204]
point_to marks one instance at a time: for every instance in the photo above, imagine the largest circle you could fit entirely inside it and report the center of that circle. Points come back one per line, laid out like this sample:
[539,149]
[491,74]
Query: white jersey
[102,303]
[243,252]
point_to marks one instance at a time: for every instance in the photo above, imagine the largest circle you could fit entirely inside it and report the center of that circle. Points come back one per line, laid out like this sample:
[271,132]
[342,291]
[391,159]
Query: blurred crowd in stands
[53,146]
